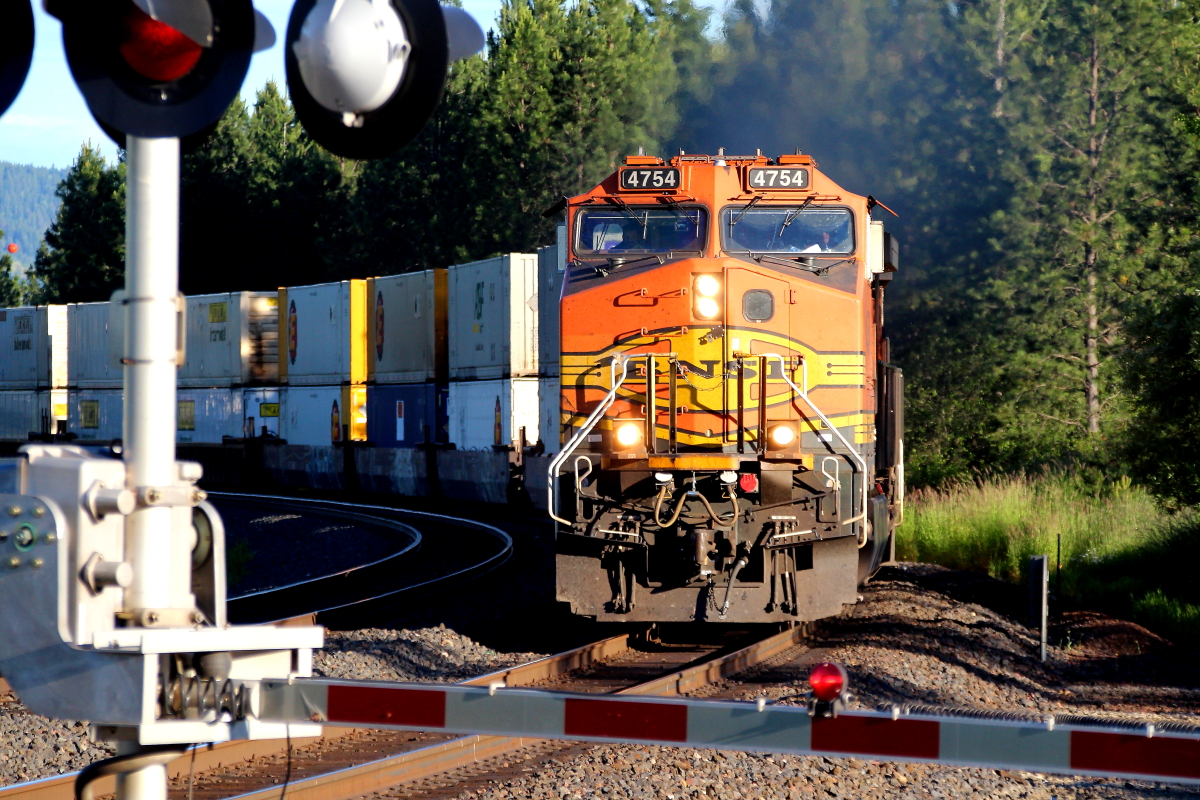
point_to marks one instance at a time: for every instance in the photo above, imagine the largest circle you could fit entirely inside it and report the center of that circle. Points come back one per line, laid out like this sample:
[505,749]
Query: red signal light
[156,50]
[12,248]
[828,681]
[748,482]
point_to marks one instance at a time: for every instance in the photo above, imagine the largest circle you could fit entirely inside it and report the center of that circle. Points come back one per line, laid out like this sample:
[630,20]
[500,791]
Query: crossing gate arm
[1083,746]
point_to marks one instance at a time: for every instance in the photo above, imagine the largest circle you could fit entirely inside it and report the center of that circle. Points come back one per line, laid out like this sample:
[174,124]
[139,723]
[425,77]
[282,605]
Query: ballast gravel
[33,747]
[427,654]
[916,639]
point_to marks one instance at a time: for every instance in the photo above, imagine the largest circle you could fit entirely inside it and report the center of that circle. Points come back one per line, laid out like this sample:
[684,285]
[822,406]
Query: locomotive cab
[733,431]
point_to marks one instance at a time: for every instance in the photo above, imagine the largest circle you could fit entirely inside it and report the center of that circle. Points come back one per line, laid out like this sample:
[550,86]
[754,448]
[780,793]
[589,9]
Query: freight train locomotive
[733,444]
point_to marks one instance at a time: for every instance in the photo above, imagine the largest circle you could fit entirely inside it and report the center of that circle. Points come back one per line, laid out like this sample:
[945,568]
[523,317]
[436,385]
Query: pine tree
[1086,126]
[83,256]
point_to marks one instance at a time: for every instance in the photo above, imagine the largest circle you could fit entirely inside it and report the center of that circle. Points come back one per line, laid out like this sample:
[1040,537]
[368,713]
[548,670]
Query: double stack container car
[323,363]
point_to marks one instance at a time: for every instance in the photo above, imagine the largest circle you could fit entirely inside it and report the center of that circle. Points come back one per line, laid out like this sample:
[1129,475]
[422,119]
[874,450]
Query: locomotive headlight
[629,434]
[782,435]
[707,308]
[707,286]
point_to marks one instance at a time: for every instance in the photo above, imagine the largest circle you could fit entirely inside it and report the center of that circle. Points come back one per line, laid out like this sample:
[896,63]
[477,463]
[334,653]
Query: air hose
[737,567]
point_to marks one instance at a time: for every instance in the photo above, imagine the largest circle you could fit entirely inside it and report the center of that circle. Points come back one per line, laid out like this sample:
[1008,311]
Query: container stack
[407,359]
[494,352]
[32,371]
[323,363]
[95,376]
[228,380]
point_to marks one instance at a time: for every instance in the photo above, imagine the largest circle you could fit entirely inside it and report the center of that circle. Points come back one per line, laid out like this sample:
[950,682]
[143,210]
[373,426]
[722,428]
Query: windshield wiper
[621,204]
[674,205]
[804,262]
[792,215]
[753,202]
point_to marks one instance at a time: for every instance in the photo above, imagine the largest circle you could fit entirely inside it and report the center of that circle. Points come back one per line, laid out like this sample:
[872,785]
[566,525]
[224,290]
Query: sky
[49,121]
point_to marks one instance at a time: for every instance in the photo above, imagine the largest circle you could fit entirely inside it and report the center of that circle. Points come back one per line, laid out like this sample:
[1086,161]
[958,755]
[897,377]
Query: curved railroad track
[444,551]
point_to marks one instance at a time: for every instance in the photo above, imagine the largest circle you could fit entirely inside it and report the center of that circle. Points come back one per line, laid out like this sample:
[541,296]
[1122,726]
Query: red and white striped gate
[1071,745]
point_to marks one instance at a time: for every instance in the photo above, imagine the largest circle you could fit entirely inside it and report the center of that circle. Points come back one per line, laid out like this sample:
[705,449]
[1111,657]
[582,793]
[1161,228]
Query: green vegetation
[27,205]
[1120,552]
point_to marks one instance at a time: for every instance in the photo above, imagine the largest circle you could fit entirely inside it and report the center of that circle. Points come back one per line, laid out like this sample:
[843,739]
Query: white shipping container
[323,415]
[324,340]
[208,415]
[486,413]
[232,339]
[20,345]
[493,318]
[95,414]
[552,265]
[408,327]
[93,361]
[261,412]
[20,414]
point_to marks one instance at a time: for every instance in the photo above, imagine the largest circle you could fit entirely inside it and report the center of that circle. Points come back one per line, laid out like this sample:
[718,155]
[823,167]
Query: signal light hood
[133,86]
[17,52]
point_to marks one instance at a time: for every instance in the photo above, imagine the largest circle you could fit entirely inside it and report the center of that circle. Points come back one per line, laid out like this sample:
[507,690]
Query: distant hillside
[27,206]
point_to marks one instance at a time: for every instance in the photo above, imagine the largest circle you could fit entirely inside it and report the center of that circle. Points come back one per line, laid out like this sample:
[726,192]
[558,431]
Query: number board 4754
[775,178]
[649,179]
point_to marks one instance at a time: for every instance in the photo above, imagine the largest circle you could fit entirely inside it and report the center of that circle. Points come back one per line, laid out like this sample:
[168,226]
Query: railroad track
[447,551]
[347,763]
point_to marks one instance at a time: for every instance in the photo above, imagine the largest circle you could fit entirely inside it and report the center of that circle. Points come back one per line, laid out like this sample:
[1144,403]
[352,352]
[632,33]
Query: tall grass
[1121,552]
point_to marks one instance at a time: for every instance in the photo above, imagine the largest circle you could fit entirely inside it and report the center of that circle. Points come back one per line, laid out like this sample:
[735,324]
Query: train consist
[693,380]
[734,429]
[451,358]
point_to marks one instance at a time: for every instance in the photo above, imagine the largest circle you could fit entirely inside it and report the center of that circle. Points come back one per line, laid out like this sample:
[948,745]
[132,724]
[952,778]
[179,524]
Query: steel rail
[381,774]
[504,541]
[213,756]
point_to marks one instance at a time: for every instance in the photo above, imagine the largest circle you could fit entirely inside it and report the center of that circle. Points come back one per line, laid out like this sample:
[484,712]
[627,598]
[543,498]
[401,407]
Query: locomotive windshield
[640,229]
[787,229]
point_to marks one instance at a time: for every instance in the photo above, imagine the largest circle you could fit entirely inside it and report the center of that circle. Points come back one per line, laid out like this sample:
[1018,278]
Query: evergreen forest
[1042,156]
[27,207]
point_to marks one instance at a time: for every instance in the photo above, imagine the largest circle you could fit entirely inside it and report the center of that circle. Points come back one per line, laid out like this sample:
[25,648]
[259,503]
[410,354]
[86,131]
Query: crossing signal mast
[112,571]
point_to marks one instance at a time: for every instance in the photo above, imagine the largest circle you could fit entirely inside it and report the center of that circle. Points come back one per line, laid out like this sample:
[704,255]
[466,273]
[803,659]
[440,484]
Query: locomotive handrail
[856,455]
[610,398]
[584,430]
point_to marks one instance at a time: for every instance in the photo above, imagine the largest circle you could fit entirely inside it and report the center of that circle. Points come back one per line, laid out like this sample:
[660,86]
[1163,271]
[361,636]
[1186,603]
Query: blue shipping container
[406,415]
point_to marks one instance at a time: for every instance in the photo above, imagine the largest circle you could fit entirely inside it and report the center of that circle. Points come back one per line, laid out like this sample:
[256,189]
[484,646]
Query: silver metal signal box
[73,647]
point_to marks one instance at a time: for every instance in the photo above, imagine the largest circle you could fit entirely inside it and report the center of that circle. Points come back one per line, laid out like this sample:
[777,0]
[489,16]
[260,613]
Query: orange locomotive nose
[721,342]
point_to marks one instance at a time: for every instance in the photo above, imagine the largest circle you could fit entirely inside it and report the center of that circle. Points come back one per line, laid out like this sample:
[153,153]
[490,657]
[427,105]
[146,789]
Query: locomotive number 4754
[652,178]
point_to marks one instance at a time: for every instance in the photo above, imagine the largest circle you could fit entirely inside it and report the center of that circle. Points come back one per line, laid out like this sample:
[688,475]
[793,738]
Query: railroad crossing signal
[16,52]
[364,75]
